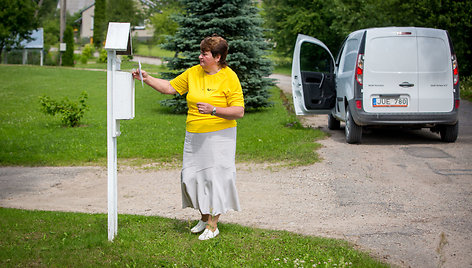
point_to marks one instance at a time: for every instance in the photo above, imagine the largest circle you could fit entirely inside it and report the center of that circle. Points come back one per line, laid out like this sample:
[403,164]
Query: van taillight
[360,69]
[455,69]
[359,104]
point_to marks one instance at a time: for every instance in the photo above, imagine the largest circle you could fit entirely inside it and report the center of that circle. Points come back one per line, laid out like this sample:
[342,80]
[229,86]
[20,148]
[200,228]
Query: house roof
[77,5]
[36,42]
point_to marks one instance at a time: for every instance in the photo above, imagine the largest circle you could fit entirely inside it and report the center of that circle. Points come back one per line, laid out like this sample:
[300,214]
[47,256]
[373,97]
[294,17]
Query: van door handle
[406,84]
[295,81]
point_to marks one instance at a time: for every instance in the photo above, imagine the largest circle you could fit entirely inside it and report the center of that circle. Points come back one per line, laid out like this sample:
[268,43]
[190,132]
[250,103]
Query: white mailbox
[120,105]
[119,43]
[123,96]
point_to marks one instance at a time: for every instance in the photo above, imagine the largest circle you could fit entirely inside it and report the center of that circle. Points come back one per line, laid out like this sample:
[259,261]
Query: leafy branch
[70,111]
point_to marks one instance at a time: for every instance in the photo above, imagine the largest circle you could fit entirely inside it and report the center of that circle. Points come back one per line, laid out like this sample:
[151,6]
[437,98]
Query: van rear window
[399,54]
[392,54]
[433,55]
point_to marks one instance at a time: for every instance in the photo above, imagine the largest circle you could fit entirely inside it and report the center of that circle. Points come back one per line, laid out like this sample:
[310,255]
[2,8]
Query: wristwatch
[214,111]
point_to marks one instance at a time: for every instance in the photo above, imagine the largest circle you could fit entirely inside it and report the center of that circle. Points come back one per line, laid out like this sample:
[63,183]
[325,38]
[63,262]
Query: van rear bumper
[363,118]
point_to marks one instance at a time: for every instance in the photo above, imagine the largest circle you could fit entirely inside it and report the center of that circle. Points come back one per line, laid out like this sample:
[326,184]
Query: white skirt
[209,172]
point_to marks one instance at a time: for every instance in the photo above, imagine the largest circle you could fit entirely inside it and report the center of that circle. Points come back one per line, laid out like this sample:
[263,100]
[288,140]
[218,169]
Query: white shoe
[208,234]
[199,227]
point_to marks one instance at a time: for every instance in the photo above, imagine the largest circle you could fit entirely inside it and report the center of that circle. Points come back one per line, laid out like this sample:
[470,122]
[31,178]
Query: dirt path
[400,194]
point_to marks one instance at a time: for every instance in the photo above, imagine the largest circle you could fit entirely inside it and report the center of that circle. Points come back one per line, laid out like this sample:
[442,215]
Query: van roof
[397,28]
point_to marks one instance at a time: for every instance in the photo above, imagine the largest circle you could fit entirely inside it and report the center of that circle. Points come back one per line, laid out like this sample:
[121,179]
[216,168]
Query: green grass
[57,239]
[282,64]
[29,137]
[125,66]
[152,51]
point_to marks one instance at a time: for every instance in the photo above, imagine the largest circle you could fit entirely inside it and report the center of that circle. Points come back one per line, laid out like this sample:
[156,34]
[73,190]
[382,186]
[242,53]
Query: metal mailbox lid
[119,38]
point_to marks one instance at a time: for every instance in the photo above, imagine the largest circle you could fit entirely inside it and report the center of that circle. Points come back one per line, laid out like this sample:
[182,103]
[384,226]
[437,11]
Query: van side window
[314,58]
[349,56]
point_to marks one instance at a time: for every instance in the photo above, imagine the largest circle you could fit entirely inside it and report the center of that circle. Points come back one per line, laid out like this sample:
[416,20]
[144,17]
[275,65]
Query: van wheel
[449,133]
[333,123]
[353,131]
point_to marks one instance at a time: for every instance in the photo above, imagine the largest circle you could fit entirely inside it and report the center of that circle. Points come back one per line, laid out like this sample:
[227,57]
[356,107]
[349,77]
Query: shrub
[88,51]
[102,58]
[70,111]
[83,59]
[466,87]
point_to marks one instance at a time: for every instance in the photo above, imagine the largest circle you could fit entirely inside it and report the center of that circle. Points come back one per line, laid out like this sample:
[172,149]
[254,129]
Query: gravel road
[402,195]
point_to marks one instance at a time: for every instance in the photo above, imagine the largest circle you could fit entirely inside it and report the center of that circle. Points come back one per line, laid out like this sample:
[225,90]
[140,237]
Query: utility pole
[62,28]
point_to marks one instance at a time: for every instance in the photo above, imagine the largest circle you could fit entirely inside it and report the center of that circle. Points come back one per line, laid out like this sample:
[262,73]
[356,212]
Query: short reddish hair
[217,45]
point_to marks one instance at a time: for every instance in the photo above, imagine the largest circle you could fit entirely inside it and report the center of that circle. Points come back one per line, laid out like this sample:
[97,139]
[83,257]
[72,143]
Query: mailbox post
[120,106]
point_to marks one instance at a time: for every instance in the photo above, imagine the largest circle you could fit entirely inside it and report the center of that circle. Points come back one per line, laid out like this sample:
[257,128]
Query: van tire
[333,123]
[449,133]
[352,130]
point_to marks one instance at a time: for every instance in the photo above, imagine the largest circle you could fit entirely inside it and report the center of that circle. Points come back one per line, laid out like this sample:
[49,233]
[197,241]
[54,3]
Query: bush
[70,111]
[466,88]
[83,59]
[88,51]
[102,58]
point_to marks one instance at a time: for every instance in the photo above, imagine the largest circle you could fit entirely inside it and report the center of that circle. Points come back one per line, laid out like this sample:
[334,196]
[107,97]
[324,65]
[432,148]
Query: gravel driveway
[402,195]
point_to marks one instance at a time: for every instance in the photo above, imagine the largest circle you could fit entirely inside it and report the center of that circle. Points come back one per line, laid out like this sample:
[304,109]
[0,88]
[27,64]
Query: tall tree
[123,11]
[161,19]
[455,16]
[331,21]
[238,21]
[68,56]
[17,21]
[287,18]
[99,23]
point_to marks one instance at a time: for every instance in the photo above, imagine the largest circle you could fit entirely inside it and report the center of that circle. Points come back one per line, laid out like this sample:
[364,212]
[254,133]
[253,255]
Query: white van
[403,76]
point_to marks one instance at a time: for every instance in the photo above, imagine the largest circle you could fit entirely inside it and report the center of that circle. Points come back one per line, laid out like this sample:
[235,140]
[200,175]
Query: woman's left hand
[204,108]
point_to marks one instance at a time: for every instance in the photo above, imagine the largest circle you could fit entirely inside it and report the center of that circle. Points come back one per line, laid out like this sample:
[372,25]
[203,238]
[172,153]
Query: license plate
[389,102]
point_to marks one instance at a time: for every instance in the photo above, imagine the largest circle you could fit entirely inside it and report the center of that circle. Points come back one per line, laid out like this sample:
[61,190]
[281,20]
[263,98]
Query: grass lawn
[125,66]
[29,137]
[152,51]
[57,239]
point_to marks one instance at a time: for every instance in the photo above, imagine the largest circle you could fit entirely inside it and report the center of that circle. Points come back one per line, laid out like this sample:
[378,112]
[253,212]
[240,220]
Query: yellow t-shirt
[220,90]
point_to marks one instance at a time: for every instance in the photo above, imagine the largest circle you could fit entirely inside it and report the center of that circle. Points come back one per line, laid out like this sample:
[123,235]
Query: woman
[215,101]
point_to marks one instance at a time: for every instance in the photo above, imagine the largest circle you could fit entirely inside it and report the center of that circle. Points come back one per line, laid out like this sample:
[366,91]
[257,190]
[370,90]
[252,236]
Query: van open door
[313,79]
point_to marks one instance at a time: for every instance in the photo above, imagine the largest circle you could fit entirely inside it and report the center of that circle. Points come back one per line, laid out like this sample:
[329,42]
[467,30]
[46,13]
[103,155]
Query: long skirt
[209,172]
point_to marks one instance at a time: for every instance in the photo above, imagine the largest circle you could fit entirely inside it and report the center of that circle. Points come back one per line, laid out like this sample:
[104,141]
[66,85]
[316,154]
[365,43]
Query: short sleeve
[235,95]
[180,83]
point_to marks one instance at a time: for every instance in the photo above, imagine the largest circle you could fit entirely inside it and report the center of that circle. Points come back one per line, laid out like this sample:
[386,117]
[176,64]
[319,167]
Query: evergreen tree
[239,23]
[99,23]
[68,56]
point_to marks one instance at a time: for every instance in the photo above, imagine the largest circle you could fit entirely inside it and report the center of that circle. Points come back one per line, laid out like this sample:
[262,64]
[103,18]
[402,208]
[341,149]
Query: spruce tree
[237,21]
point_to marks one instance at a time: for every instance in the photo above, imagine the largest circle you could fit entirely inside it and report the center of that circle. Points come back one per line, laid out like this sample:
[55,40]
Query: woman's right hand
[144,74]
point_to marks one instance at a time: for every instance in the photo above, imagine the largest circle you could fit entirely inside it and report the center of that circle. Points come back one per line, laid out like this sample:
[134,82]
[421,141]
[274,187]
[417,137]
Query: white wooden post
[120,97]
[112,152]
